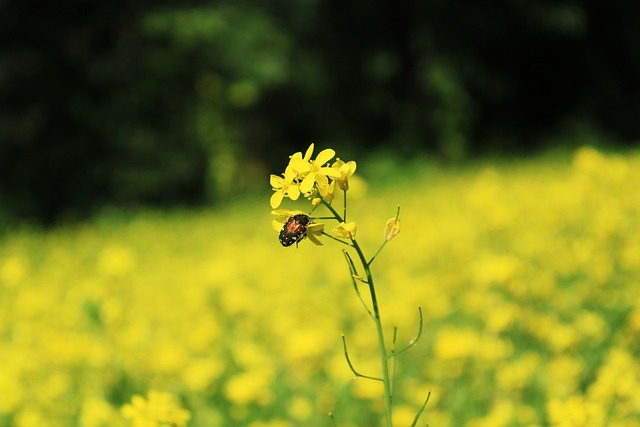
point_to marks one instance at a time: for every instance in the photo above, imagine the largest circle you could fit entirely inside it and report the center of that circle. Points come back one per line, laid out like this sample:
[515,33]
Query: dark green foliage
[159,103]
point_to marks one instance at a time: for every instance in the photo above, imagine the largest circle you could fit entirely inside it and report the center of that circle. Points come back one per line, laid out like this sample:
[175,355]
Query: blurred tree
[110,103]
[183,102]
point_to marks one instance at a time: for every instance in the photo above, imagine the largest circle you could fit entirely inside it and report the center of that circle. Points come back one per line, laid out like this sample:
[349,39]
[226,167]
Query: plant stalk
[386,380]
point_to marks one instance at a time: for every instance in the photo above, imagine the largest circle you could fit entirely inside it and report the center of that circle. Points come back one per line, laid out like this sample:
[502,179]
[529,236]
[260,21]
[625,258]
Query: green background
[161,103]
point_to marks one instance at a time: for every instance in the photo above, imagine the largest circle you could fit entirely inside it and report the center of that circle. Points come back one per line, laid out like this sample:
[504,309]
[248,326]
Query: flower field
[528,275]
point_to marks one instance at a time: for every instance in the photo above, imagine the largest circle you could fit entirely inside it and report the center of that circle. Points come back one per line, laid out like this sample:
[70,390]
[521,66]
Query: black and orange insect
[294,229]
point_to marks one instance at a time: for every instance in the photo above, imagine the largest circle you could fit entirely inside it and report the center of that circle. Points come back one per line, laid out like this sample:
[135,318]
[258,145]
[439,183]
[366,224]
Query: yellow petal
[283,214]
[314,239]
[289,173]
[275,181]
[348,169]
[276,199]
[299,166]
[307,183]
[277,225]
[293,192]
[316,228]
[324,156]
[346,231]
[309,153]
[332,172]
[352,166]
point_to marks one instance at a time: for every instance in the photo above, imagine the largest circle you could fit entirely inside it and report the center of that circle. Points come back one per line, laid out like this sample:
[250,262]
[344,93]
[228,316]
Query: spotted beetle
[294,229]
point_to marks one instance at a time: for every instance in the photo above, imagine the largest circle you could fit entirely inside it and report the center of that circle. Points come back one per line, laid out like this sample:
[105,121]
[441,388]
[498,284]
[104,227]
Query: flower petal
[352,166]
[289,173]
[309,153]
[346,231]
[276,199]
[293,192]
[299,166]
[276,181]
[277,225]
[314,239]
[307,183]
[316,228]
[332,172]
[324,156]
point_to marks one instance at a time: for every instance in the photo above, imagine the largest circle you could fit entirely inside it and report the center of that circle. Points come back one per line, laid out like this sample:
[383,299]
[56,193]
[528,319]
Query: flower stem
[386,379]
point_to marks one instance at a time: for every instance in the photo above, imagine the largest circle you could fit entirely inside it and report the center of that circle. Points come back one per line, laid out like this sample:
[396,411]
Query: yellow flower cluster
[526,273]
[312,178]
[316,180]
[158,410]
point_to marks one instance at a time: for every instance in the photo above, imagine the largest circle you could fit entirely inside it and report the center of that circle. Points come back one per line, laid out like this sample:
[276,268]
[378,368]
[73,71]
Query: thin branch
[356,373]
[415,420]
[344,204]
[414,341]
[378,251]
[392,378]
[354,274]
[344,242]
[333,420]
[385,240]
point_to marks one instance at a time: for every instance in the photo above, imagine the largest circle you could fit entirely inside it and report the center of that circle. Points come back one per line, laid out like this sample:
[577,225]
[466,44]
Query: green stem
[381,343]
[376,317]
[344,204]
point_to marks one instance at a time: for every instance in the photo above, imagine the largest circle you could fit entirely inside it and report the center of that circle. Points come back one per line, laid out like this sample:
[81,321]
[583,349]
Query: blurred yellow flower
[253,386]
[158,410]
[96,413]
[454,344]
[116,260]
[576,411]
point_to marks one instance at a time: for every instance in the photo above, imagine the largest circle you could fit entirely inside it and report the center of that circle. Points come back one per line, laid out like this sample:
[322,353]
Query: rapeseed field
[527,274]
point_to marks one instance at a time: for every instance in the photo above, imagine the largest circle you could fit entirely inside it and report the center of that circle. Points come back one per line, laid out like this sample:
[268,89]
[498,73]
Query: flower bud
[392,228]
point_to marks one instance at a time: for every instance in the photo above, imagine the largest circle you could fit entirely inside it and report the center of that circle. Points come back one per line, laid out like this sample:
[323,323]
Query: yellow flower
[312,169]
[346,231]
[392,228]
[160,409]
[346,170]
[325,188]
[284,187]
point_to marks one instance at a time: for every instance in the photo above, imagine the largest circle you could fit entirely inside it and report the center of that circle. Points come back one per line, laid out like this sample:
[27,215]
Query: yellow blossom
[325,188]
[159,409]
[312,169]
[284,187]
[346,170]
[392,228]
[346,231]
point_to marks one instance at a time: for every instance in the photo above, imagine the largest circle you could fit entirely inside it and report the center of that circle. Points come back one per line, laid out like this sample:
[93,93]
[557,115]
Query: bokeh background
[137,255]
[136,103]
